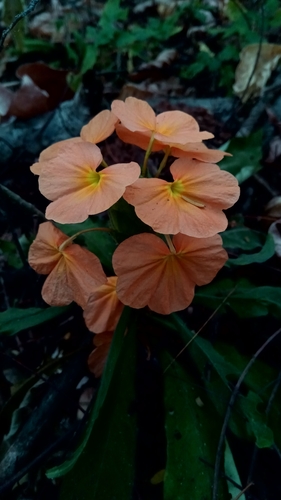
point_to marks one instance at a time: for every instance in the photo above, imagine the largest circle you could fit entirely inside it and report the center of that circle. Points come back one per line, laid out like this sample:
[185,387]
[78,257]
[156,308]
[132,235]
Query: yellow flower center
[176,189]
[94,178]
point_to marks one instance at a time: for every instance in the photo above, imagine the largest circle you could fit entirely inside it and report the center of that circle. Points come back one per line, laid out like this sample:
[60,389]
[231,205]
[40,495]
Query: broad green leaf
[192,433]
[247,154]
[257,420]
[247,299]
[107,377]
[246,239]
[124,220]
[231,472]
[11,253]
[14,320]
[101,243]
[105,469]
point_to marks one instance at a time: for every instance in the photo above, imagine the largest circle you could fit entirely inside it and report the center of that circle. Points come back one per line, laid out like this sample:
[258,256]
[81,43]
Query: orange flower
[98,356]
[162,278]
[103,309]
[192,204]
[196,150]
[73,271]
[77,190]
[171,127]
[51,152]
[97,130]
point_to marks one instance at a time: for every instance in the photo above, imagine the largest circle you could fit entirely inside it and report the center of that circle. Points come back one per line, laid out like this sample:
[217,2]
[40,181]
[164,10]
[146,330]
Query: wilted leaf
[275,231]
[273,208]
[256,65]
[15,320]
[246,156]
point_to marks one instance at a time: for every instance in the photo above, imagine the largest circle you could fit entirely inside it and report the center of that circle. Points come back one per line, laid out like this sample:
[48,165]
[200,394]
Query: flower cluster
[182,204]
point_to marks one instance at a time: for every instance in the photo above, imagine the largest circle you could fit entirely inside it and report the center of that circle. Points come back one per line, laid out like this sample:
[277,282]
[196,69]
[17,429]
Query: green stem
[13,198]
[69,240]
[164,161]
[104,164]
[170,243]
[147,155]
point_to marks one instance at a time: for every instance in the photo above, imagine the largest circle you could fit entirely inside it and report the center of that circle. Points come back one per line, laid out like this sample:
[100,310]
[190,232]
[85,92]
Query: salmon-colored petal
[198,151]
[98,356]
[84,272]
[68,171]
[136,138]
[85,200]
[99,128]
[150,274]
[103,308]
[51,152]
[43,253]
[191,205]
[56,291]
[179,128]
[74,272]
[206,182]
[134,114]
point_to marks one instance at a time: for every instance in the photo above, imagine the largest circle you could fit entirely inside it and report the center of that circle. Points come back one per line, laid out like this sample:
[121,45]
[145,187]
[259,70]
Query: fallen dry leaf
[154,69]
[254,69]
[29,100]
[275,231]
[273,208]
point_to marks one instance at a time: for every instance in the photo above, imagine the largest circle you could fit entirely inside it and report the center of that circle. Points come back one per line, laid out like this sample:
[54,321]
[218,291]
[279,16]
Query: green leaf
[231,472]
[124,220]
[247,239]
[192,432]
[257,420]
[105,469]
[14,320]
[247,154]
[107,377]
[247,299]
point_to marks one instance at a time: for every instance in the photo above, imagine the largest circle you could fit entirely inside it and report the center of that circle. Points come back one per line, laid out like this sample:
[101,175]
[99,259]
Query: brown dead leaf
[6,97]
[29,100]
[256,64]
[275,231]
[148,89]
[51,80]
[273,208]
[274,150]
[44,26]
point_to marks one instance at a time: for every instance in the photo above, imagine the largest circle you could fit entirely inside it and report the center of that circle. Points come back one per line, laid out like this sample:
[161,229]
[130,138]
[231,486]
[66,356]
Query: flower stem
[170,243]
[69,240]
[104,164]
[164,161]
[147,155]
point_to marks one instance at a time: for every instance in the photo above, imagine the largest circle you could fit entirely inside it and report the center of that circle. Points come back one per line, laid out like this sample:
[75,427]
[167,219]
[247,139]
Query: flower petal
[43,253]
[150,274]
[93,199]
[135,114]
[98,356]
[103,309]
[99,128]
[179,128]
[51,152]
[196,211]
[67,172]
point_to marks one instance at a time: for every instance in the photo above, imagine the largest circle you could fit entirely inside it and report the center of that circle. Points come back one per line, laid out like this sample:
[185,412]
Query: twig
[243,491]
[229,410]
[10,196]
[17,18]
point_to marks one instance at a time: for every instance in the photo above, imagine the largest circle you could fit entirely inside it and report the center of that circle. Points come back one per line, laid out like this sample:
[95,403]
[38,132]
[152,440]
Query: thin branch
[17,18]
[11,197]
[229,410]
